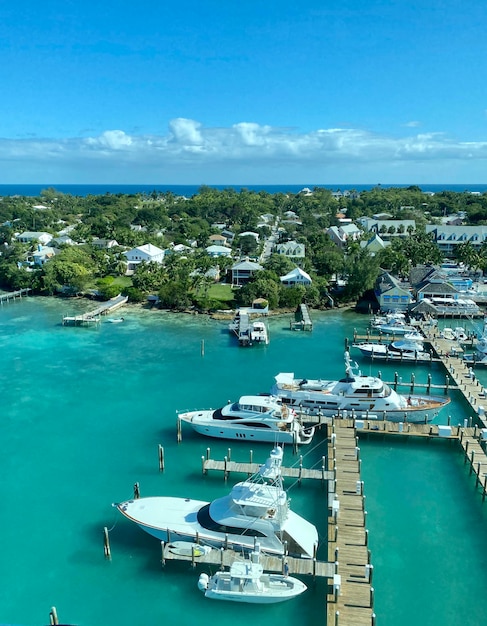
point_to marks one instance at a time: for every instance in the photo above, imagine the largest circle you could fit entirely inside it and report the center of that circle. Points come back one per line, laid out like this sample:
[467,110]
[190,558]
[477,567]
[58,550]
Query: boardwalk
[350,598]
[13,295]
[93,317]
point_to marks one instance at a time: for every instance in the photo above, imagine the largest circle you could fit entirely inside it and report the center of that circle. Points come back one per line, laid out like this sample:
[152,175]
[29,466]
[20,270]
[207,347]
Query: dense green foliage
[164,220]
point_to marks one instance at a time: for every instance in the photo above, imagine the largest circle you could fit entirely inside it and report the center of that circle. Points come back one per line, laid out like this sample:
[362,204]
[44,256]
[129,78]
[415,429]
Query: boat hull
[175,519]
[240,433]
[427,409]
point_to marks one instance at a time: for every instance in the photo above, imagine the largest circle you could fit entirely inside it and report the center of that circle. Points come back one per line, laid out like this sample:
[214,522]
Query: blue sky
[213,92]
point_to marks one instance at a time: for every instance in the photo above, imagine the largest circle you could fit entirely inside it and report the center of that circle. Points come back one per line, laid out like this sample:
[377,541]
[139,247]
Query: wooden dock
[94,316]
[302,319]
[13,295]
[350,599]
[225,557]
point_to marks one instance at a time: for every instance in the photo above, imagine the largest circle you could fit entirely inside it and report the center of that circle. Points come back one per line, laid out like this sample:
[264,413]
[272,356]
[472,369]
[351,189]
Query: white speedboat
[252,418]
[258,333]
[363,396]
[247,582]
[394,327]
[256,509]
[406,349]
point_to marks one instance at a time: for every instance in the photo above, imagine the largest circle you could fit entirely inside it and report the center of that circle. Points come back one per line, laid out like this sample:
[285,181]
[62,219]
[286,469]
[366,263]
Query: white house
[448,237]
[340,235]
[148,253]
[296,277]
[218,251]
[243,271]
[31,237]
[291,249]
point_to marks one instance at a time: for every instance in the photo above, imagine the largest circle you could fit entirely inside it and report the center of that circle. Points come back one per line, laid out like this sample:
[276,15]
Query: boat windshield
[205,520]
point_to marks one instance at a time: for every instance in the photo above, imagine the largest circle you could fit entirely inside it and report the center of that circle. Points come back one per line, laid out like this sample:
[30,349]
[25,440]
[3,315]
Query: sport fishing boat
[363,396]
[258,332]
[252,418]
[246,581]
[256,509]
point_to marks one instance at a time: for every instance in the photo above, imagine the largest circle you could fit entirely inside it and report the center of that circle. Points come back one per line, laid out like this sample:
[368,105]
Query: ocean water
[190,190]
[83,413]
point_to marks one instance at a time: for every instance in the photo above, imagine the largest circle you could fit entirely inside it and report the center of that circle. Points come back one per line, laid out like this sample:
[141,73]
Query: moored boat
[406,349]
[255,509]
[252,418]
[246,581]
[362,396]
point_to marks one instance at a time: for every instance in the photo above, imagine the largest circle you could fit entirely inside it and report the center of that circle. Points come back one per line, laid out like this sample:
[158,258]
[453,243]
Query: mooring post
[179,431]
[106,543]
[202,347]
[412,382]
[428,386]
[136,491]
[53,616]
[161,458]
[163,558]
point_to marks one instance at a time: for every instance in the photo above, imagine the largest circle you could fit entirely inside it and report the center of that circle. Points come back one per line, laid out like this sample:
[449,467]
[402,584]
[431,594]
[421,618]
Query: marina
[120,445]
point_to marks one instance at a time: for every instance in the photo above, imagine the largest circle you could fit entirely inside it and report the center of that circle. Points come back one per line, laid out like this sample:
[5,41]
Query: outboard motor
[203,582]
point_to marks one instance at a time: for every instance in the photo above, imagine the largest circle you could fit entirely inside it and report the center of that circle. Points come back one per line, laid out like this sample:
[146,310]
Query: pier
[350,599]
[302,319]
[94,316]
[241,327]
[13,295]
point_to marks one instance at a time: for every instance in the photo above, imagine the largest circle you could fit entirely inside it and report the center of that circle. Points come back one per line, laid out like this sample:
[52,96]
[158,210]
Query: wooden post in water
[161,458]
[53,619]
[179,431]
[202,347]
[136,491]
[395,380]
[203,465]
[472,457]
[229,454]
[412,383]
[428,386]
[163,560]
[225,468]
[106,543]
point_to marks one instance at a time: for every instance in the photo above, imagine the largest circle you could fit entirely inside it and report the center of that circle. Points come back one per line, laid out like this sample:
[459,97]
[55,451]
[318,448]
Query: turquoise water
[83,412]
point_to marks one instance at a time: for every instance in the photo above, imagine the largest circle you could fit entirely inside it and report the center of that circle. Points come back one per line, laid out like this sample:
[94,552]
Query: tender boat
[252,418]
[115,320]
[363,396]
[247,582]
[256,509]
[391,324]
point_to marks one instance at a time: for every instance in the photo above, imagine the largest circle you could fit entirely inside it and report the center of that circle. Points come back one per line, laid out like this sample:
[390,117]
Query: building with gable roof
[295,277]
[148,253]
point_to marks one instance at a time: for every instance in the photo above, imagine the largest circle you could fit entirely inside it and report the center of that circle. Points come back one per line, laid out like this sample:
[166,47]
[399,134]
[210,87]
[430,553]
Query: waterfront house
[391,294]
[295,277]
[43,254]
[148,253]
[243,271]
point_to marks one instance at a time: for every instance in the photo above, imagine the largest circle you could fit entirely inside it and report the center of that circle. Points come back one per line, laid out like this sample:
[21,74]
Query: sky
[225,92]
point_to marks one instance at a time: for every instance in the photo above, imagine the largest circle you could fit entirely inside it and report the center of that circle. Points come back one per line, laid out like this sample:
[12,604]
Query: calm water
[190,190]
[83,412]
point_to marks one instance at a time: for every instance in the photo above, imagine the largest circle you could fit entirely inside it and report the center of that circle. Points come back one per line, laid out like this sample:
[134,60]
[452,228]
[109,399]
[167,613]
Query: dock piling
[106,543]
[161,458]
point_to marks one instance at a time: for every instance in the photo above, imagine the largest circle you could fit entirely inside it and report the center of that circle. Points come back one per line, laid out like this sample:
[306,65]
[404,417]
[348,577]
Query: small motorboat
[115,320]
[247,582]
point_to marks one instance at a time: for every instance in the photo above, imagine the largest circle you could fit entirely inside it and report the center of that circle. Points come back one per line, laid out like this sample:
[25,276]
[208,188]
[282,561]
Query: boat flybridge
[255,510]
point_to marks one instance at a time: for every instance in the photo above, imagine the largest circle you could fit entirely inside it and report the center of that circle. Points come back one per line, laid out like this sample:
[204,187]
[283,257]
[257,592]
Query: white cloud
[247,149]
[412,124]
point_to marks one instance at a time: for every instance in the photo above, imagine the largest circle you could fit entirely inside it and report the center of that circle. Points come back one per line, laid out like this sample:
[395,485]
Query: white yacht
[252,418]
[246,581]
[363,396]
[256,509]
[479,357]
[410,348]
